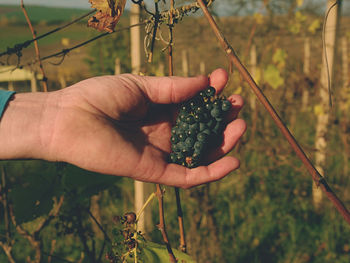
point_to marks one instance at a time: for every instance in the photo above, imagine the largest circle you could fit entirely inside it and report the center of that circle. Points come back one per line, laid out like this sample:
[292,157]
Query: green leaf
[86,183]
[314,26]
[155,253]
[33,196]
[273,77]
[299,17]
[295,28]
[259,18]
[279,58]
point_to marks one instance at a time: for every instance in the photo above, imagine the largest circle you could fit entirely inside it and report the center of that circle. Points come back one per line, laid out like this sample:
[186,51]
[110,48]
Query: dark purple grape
[210,91]
[198,127]
[226,105]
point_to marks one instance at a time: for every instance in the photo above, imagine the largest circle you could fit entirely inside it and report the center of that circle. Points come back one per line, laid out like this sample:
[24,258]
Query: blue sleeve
[4,98]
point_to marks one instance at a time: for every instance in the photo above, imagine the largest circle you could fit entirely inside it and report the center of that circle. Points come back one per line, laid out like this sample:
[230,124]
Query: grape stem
[171,73]
[317,177]
[161,225]
[139,213]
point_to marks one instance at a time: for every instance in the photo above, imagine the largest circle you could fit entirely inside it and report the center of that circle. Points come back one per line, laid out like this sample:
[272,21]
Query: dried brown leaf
[109,12]
[103,22]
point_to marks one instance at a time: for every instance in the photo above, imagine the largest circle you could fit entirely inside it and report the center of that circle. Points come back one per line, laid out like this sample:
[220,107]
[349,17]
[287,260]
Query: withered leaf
[103,22]
[109,12]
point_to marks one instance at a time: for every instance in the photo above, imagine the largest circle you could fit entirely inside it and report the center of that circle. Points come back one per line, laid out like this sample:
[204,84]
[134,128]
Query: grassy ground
[14,14]
[14,30]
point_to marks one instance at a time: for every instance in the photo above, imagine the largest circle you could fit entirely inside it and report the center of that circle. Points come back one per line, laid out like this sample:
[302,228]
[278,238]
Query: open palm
[120,125]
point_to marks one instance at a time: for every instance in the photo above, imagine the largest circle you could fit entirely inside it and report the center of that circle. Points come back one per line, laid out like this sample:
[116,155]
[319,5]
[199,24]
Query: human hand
[120,125]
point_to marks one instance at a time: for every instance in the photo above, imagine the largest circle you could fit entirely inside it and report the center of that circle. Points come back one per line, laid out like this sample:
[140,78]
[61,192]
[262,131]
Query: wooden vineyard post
[253,68]
[344,103]
[185,64]
[325,83]
[10,86]
[117,67]
[33,83]
[135,42]
[306,70]
[253,61]
[202,68]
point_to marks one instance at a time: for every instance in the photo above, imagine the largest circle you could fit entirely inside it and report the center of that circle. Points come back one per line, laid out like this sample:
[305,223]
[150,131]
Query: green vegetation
[14,29]
[12,14]
[18,34]
[103,53]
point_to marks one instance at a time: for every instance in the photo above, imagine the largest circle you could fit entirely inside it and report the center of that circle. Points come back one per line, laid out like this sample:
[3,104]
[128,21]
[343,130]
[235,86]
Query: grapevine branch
[99,225]
[107,238]
[317,177]
[154,33]
[36,46]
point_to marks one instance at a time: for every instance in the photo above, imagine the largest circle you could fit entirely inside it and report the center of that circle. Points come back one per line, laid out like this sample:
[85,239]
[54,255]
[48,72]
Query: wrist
[26,126]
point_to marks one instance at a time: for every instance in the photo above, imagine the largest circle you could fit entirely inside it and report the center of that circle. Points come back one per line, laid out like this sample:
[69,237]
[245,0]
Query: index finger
[166,90]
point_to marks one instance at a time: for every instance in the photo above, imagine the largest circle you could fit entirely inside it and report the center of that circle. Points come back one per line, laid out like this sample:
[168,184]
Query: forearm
[22,134]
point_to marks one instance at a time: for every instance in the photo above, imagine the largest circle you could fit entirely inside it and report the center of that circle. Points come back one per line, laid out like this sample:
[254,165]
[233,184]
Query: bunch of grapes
[199,127]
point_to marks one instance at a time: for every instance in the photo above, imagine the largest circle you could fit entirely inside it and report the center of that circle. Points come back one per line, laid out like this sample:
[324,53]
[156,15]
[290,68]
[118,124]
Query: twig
[139,213]
[154,33]
[102,250]
[36,244]
[317,177]
[34,237]
[170,45]
[183,246]
[36,46]
[83,238]
[161,225]
[53,246]
[7,249]
[99,225]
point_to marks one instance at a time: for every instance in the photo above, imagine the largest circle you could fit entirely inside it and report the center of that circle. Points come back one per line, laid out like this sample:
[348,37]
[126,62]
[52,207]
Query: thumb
[167,90]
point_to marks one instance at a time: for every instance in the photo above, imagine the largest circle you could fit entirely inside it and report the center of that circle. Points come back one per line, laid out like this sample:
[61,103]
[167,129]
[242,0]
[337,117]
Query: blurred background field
[263,212]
